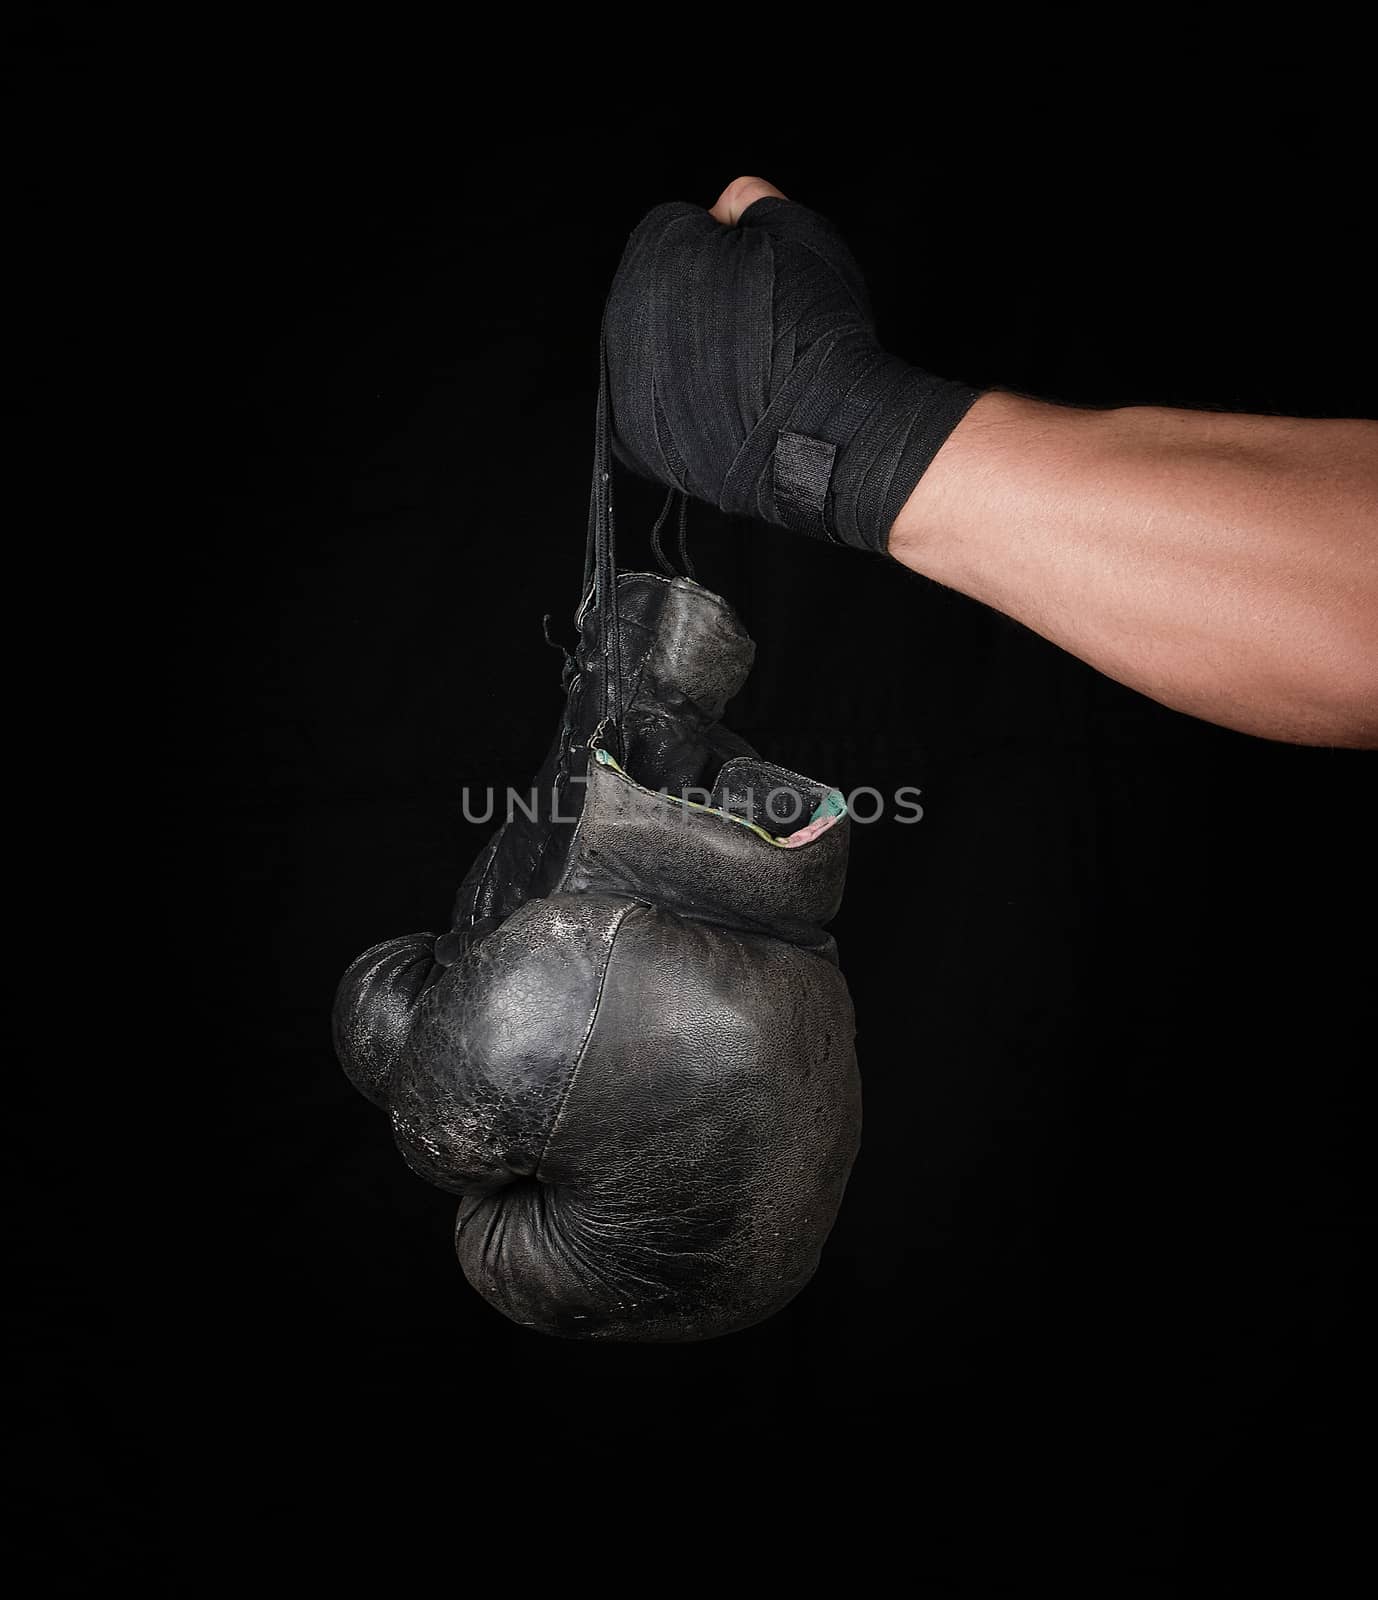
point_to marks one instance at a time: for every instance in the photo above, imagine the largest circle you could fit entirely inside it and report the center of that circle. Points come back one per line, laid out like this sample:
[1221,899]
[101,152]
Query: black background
[1091,1307]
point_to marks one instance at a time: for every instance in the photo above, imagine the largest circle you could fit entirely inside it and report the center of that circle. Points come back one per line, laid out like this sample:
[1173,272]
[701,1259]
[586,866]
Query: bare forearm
[1225,565]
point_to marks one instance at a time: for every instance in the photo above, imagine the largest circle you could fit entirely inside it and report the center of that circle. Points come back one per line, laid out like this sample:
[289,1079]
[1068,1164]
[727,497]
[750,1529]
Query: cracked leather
[632,1054]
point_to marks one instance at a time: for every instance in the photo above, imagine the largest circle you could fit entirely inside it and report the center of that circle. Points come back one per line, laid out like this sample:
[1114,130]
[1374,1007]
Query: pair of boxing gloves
[631,1055]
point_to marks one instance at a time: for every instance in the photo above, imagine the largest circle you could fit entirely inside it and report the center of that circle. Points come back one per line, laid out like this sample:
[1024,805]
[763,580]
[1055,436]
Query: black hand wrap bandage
[745,371]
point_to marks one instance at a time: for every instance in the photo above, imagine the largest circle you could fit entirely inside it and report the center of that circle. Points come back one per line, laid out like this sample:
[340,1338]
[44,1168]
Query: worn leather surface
[494,1043]
[375,1007]
[697,1164]
[631,1055]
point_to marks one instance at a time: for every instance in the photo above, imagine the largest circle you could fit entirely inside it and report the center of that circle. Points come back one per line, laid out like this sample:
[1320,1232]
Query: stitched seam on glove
[588,1034]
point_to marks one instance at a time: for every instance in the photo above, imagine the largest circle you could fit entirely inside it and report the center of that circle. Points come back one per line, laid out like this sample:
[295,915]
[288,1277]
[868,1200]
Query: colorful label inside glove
[825,813]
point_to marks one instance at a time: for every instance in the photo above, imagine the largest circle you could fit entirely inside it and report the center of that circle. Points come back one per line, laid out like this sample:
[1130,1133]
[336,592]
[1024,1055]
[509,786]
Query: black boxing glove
[745,371]
[632,1054]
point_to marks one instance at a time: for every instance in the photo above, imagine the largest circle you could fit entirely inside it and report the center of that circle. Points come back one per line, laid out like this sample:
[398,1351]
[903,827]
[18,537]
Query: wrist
[957,502]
